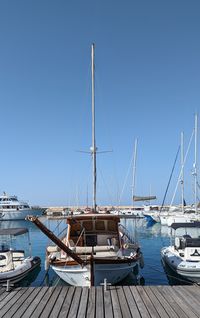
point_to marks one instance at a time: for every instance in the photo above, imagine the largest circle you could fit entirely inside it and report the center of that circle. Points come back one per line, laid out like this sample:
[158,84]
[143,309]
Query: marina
[151,237]
[120,301]
[102,236]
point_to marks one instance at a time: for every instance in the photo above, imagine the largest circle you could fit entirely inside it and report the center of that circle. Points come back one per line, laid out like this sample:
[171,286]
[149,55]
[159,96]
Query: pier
[116,301]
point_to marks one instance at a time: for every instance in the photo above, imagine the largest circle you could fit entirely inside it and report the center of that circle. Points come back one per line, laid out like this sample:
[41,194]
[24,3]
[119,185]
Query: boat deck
[116,301]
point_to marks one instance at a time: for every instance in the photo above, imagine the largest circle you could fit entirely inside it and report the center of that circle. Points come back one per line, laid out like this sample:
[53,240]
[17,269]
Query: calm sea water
[151,238]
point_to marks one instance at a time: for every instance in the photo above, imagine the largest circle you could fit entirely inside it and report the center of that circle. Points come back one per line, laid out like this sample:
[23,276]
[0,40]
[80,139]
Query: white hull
[187,269]
[74,275]
[20,271]
[113,273]
[184,218]
[78,276]
[19,214]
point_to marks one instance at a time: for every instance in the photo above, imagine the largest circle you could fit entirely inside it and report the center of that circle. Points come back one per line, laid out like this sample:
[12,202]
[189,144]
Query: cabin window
[91,240]
[111,226]
[88,225]
[99,225]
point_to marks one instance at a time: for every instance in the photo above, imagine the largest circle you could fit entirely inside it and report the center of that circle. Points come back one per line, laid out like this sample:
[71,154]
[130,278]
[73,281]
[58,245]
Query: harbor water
[150,237]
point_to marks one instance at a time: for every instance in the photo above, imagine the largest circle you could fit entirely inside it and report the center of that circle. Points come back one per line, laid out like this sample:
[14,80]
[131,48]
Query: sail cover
[137,198]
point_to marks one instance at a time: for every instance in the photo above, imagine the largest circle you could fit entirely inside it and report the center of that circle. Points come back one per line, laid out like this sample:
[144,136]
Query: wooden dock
[118,301]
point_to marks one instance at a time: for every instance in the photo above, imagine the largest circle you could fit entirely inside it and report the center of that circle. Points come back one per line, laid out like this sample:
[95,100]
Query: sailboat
[188,214]
[96,248]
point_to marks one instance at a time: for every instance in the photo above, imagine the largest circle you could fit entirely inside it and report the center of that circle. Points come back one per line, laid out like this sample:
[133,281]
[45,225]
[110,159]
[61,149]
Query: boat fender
[52,257]
[46,264]
[132,255]
[141,258]
[136,270]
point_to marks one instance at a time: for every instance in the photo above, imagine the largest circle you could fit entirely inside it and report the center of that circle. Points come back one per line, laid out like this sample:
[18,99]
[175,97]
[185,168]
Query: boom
[55,239]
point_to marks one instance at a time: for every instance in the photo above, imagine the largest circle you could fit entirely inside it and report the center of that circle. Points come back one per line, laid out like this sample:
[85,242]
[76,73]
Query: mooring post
[8,285]
[105,284]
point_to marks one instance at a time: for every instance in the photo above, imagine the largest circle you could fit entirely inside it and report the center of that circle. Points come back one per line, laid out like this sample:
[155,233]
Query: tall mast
[134,167]
[195,161]
[93,148]
[182,171]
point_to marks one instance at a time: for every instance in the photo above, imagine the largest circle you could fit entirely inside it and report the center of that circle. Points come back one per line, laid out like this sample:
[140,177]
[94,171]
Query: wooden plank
[131,302]
[43,302]
[83,303]
[181,302]
[161,311]
[2,290]
[123,303]
[19,303]
[163,301]
[108,311]
[191,300]
[26,304]
[6,305]
[52,301]
[99,302]
[150,307]
[8,295]
[193,290]
[91,303]
[115,303]
[60,300]
[166,291]
[35,302]
[67,303]
[141,306]
[75,303]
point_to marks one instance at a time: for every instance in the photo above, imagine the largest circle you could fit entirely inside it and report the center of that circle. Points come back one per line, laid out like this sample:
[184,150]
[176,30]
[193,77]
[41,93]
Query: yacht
[13,209]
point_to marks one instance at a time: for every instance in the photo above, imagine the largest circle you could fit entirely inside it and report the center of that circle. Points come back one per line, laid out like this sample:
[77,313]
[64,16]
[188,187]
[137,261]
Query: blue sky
[147,86]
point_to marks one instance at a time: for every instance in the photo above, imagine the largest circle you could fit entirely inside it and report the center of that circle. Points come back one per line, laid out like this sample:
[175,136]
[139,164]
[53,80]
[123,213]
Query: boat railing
[126,232]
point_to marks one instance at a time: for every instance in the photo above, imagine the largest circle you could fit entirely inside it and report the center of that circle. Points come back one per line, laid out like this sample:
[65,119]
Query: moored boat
[96,247]
[183,255]
[13,209]
[14,264]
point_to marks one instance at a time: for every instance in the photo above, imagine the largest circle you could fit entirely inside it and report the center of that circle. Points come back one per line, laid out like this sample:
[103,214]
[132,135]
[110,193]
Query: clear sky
[147,86]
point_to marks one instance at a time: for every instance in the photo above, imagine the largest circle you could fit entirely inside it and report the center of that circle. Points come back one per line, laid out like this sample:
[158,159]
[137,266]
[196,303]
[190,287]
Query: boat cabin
[185,245]
[93,231]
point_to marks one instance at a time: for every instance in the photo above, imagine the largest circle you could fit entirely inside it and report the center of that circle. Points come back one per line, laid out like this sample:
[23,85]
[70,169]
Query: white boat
[13,209]
[14,265]
[96,248]
[183,255]
[137,213]
[183,218]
